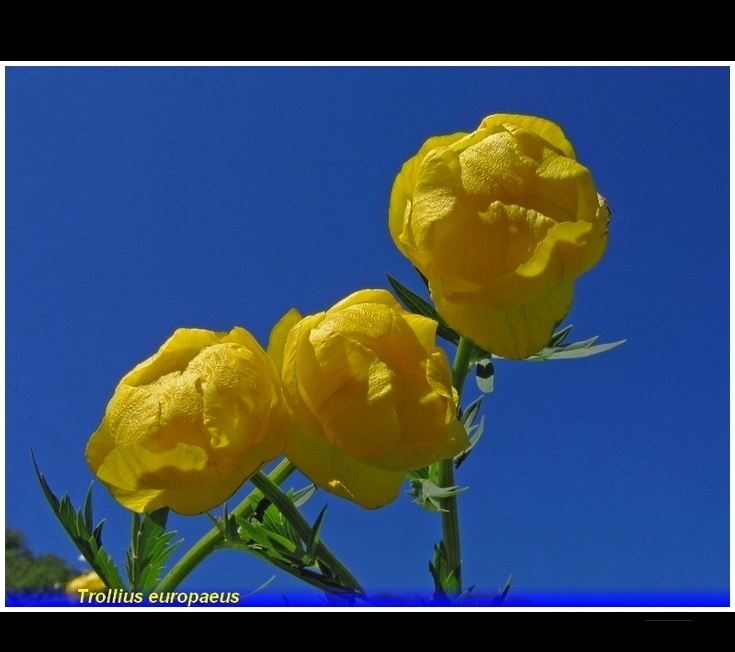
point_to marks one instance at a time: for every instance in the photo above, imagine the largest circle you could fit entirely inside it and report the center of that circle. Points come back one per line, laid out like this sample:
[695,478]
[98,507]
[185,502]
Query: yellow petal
[501,221]
[403,188]
[517,332]
[541,126]
[330,467]
[371,397]
[189,425]
[279,335]
[180,349]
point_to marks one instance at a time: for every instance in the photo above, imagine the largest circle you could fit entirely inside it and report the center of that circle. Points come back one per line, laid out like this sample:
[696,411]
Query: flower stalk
[215,539]
[322,553]
[445,472]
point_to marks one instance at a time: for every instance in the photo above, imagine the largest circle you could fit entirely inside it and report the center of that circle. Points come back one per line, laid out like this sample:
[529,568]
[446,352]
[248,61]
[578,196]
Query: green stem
[271,491]
[448,505]
[214,538]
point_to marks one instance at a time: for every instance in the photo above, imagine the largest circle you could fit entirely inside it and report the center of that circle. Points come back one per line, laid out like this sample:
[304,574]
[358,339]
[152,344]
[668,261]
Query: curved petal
[187,427]
[401,196]
[330,467]
[279,336]
[517,332]
[541,126]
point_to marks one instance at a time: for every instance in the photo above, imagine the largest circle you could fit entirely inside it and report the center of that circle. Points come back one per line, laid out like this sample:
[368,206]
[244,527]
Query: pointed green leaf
[88,509]
[576,350]
[467,416]
[464,596]
[473,433]
[300,497]
[445,578]
[414,303]
[418,474]
[500,598]
[252,533]
[428,495]
[149,549]
[78,525]
[559,337]
[314,534]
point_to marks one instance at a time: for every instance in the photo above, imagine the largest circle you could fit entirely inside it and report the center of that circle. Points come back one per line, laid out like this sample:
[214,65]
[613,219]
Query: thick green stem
[448,505]
[214,538]
[271,491]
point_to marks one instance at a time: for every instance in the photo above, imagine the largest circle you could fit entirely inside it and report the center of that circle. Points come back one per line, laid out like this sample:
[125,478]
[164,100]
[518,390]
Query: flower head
[188,426]
[371,396]
[90,581]
[501,221]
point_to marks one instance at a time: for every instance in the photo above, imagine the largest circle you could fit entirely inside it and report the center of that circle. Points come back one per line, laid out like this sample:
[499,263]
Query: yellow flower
[189,425]
[89,581]
[501,222]
[371,396]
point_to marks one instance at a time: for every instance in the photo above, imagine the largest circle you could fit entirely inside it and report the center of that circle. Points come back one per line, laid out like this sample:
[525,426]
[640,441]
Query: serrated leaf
[275,521]
[445,578]
[149,549]
[583,349]
[78,525]
[414,303]
[428,495]
[270,539]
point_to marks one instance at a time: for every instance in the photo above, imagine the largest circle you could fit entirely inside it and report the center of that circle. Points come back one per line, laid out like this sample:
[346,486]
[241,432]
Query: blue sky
[143,199]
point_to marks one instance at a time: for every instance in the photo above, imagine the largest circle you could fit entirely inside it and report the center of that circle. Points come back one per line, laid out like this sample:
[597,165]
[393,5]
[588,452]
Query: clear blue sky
[143,199]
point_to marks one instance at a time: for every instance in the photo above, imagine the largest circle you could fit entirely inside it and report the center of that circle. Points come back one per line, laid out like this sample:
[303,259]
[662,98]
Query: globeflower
[501,221]
[186,427]
[370,394]
[90,581]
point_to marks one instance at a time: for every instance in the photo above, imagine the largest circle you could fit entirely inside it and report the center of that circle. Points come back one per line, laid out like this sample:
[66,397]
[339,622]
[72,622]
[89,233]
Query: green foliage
[557,350]
[414,303]
[425,491]
[28,573]
[149,550]
[79,527]
[278,534]
[474,430]
[445,578]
